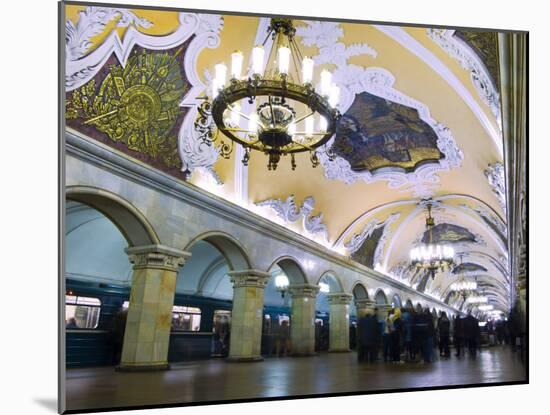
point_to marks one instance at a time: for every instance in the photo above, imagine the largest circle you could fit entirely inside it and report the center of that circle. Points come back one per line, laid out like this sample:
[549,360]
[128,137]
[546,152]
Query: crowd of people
[414,334]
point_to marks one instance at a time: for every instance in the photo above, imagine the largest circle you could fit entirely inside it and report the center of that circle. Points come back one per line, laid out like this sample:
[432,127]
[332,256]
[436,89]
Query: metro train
[96,317]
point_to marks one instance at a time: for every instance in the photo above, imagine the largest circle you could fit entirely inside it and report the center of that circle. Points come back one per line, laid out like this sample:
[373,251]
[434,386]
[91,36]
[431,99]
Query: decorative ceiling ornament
[492,220]
[495,175]
[136,106]
[202,31]
[470,61]
[430,256]
[401,271]
[358,239]
[82,64]
[353,80]
[92,21]
[290,213]
[288,114]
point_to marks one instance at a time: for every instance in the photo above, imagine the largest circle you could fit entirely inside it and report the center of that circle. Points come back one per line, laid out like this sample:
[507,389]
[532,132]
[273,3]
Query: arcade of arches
[190,256]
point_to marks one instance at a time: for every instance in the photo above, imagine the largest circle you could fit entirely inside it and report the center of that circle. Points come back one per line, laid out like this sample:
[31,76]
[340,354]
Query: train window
[283,317]
[82,312]
[186,318]
[183,318]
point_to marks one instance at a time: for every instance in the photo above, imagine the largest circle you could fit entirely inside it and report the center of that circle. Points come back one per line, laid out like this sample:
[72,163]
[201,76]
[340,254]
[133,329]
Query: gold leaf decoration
[137,105]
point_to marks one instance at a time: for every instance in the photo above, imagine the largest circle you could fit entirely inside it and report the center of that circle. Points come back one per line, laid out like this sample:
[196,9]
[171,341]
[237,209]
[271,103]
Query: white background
[28,159]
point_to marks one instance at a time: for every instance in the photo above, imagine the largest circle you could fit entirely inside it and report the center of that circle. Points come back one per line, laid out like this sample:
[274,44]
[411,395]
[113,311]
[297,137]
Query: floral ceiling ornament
[470,61]
[495,175]
[92,21]
[353,80]
[290,213]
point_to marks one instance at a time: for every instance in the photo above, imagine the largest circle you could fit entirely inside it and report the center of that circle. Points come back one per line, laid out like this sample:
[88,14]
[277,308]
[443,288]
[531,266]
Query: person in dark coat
[472,334]
[406,318]
[458,335]
[444,328]
[369,336]
[429,335]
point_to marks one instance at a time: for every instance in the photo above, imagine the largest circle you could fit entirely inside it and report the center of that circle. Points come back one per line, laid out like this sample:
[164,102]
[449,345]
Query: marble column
[147,333]
[363,305]
[246,317]
[339,322]
[302,322]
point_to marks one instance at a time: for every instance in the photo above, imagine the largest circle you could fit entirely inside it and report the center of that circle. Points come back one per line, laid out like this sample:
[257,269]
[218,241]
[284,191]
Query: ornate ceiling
[421,120]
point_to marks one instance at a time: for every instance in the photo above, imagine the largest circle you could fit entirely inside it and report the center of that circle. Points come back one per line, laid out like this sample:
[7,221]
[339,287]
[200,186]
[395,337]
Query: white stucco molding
[402,37]
[470,61]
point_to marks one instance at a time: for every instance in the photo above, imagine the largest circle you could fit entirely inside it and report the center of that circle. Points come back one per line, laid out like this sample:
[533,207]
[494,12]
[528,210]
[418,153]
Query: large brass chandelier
[431,256]
[275,108]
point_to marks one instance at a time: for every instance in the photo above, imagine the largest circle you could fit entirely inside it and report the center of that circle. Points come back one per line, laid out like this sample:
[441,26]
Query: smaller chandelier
[431,256]
[463,286]
[274,108]
[324,287]
[281,284]
[485,307]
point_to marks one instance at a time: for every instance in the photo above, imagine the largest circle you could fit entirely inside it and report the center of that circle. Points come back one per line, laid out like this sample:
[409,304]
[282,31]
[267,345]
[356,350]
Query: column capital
[303,290]
[339,298]
[364,303]
[157,256]
[249,278]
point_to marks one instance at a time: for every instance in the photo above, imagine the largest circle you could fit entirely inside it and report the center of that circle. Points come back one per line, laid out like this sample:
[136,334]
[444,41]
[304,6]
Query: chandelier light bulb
[324,287]
[257,60]
[307,70]
[281,281]
[309,126]
[236,64]
[326,82]
[292,129]
[221,74]
[323,124]
[235,114]
[334,96]
[253,123]
[283,56]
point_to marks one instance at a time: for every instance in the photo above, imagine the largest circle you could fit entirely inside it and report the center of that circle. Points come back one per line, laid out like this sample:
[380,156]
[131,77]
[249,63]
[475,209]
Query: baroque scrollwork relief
[353,80]
[469,60]
[495,175]
[290,213]
[357,240]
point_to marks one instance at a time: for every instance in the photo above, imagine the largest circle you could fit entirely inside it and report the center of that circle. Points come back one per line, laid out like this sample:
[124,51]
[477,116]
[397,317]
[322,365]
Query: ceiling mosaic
[135,108]
[468,267]
[450,233]
[375,133]
[485,45]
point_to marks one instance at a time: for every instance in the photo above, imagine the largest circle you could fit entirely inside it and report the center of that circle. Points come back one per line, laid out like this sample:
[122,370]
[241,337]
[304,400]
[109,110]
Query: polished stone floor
[216,379]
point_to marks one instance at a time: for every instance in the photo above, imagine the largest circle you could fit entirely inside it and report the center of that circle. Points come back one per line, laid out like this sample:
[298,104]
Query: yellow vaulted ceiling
[346,208]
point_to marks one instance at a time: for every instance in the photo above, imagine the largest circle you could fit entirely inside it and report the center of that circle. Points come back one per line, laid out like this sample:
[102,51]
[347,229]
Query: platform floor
[216,379]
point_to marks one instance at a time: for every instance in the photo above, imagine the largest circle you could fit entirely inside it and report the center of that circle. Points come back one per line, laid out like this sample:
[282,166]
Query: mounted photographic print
[262,207]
